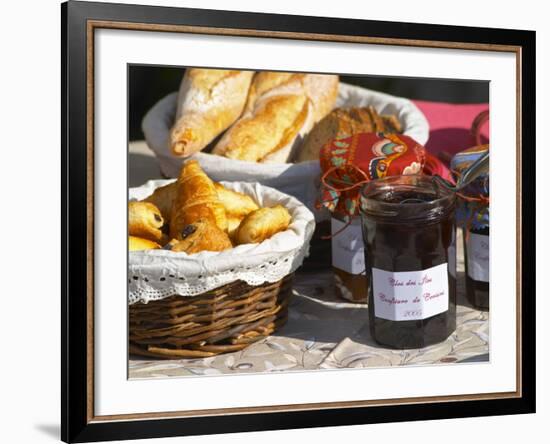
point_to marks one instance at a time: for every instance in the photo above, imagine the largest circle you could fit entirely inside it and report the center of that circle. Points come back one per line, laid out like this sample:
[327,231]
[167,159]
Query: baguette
[209,101]
[280,111]
[264,82]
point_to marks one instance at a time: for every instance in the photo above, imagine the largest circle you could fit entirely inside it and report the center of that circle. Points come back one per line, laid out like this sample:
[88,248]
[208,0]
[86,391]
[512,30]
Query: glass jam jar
[348,259]
[476,263]
[410,256]
[472,214]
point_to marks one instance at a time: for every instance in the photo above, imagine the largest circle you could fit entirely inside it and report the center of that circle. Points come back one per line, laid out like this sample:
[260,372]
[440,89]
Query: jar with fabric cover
[473,217]
[347,164]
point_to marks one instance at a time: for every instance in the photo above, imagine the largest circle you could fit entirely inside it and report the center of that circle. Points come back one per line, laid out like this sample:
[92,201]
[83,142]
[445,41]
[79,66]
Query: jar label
[410,295]
[348,249]
[478,257]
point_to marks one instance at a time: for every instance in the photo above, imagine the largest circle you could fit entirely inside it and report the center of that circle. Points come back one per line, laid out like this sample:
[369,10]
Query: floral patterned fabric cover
[350,162]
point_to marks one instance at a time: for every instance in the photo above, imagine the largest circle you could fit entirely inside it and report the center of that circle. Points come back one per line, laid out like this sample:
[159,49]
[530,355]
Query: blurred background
[148,84]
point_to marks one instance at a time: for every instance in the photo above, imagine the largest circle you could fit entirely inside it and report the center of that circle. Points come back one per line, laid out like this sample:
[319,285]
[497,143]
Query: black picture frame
[77,316]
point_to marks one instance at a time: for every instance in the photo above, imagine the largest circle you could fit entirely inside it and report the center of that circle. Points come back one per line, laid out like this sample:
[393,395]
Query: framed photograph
[275,221]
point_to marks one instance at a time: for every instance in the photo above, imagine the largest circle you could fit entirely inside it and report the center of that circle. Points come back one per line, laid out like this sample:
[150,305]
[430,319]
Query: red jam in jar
[410,257]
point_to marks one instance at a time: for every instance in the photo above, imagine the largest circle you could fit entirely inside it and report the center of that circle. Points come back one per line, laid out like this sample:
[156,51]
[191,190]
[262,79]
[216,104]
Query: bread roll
[145,220]
[262,224]
[280,111]
[209,101]
[196,199]
[138,243]
[201,235]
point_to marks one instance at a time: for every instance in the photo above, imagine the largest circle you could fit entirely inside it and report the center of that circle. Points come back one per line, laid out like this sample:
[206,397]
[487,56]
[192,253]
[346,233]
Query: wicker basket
[223,320]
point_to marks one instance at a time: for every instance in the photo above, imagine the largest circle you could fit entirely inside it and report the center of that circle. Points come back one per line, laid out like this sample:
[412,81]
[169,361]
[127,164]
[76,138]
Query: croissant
[209,101]
[145,220]
[262,224]
[233,224]
[163,198]
[201,235]
[196,198]
[237,205]
[138,243]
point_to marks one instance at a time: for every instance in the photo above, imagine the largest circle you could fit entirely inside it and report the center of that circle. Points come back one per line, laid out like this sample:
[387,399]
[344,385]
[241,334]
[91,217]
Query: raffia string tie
[480,202]
[328,183]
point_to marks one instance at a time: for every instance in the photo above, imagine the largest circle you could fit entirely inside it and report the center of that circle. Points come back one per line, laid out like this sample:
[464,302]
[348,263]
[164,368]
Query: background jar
[472,216]
[347,249]
[476,263]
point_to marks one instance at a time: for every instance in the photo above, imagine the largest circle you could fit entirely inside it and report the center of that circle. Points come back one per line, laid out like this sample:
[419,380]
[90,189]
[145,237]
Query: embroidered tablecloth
[324,332]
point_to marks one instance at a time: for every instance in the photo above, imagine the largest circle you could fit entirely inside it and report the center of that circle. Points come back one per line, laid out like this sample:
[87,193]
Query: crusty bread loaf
[280,111]
[264,81]
[209,101]
[392,124]
[344,123]
[322,90]
[275,125]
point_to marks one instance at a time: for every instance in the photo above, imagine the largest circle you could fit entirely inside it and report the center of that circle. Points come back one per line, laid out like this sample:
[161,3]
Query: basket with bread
[210,264]
[268,127]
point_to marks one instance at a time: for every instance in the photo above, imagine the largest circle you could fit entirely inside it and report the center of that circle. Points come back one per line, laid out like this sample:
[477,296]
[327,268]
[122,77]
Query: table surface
[305,342]
[324,332]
